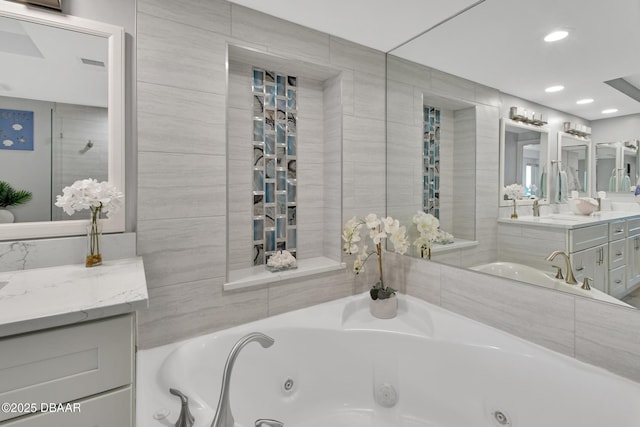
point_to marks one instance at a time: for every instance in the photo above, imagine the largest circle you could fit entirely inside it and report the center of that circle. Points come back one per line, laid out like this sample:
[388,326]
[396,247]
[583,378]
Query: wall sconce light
[527,116]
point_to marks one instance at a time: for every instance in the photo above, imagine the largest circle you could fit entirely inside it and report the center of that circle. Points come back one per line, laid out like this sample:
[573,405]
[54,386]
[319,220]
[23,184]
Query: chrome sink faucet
[536,207]
[571,280]
[224,417]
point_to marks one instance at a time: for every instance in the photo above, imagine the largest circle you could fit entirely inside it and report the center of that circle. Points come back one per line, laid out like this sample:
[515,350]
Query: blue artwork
[16,130]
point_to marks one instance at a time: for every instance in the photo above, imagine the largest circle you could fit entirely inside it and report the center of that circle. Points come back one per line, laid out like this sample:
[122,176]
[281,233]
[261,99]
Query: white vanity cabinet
[88,367]
[589,254]
[67,344]
[633,254]
[605,248]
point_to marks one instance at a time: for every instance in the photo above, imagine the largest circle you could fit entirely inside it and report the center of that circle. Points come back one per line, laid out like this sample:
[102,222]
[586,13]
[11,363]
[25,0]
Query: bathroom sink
[567,217]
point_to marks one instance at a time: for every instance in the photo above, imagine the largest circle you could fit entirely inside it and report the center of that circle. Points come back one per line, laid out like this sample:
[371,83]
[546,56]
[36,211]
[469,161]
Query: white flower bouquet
[514,192]
[97,197]
[379,230]
[90,194]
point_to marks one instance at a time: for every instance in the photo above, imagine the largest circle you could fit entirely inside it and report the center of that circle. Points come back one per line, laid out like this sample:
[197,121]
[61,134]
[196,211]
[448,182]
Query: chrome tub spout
[224,417]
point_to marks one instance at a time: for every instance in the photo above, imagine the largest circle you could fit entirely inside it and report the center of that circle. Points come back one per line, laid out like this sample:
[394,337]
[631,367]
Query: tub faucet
[571,280]
[224,417]
[185,419]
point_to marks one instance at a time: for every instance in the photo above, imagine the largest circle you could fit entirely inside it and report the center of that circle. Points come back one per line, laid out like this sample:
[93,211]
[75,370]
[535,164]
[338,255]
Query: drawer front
[617,282]
[633,226]
[617,229]
[106,410]
[588,237]
[66,364]
[617,254]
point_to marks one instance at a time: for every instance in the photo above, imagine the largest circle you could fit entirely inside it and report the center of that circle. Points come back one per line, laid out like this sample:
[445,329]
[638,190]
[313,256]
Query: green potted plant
[9,196]
[383,298]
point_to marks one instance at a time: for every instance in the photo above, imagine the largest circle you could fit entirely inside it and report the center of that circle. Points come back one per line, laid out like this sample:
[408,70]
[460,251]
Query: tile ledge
[457,244]
[257,276]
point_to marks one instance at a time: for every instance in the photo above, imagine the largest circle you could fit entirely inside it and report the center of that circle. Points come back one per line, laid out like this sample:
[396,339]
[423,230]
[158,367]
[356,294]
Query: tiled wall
[74,126]
[469,169]
[182,132]
[601,334]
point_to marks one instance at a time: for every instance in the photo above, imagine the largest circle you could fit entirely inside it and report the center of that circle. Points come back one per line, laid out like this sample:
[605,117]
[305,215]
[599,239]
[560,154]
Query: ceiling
[46,63]
[498,43]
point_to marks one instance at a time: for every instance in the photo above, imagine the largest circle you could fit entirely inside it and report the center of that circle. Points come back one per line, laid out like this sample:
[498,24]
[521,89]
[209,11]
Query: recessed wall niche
[284,131]
[431,160]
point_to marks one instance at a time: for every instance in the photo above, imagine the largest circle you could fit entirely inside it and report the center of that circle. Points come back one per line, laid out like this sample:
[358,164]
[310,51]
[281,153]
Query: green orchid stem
[379,250]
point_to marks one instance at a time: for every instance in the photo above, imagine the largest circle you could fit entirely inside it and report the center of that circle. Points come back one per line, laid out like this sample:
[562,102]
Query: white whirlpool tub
[332,365]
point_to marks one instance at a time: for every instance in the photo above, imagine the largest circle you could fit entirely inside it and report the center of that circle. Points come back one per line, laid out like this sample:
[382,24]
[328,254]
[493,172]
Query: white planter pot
[384,308]
[6,217]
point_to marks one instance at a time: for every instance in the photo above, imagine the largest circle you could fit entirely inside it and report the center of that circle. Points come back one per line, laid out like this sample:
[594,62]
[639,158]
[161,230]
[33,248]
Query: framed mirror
[573,165]
[524,160]
[64,94]
[616,166]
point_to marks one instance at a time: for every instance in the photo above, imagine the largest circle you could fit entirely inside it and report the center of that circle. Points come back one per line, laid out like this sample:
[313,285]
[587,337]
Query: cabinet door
[633,261]
[106,410]
[592,263]
[617,288]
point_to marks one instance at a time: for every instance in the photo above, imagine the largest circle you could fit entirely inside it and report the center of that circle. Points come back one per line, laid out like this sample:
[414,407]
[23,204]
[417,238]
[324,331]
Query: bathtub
[533,276]
[333,365]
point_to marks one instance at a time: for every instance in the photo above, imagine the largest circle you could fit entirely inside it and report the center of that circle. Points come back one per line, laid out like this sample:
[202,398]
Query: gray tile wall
[182,168]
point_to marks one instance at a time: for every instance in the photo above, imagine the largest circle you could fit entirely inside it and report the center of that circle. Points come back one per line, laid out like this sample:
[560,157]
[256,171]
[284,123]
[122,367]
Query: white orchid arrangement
[90,194]
[514,191]
[429,228]
[379,229]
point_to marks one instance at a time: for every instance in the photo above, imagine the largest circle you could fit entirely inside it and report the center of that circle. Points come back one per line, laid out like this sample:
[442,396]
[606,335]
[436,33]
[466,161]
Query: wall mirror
[616,166]
[573,166]
[463,58]
[607,158]
[524,160]
[61,114]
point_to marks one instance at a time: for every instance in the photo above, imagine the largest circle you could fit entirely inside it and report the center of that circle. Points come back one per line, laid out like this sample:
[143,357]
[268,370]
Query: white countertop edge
[30,308]
[569,221]
[258,276]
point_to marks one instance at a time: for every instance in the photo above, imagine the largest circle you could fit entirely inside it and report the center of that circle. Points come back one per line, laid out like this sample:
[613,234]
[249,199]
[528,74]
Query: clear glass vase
[94,234]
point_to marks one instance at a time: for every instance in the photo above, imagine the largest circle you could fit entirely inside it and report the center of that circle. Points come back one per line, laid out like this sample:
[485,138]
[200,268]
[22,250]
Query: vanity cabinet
[87,366]
[592,263]
[605,248]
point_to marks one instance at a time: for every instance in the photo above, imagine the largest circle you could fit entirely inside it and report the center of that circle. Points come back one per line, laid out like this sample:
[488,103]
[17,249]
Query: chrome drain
[501,419]
[288,385]
[386,395]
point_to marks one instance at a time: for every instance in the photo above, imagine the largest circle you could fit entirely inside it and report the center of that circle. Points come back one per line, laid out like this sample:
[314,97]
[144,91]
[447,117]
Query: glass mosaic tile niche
[431,161]
[275,119]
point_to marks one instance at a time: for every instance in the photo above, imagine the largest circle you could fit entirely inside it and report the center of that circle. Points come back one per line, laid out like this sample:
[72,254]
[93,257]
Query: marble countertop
[569,220]
[42,298]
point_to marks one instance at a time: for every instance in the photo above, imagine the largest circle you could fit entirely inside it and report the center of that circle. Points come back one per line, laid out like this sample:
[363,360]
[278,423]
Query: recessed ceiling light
[584,101]
[610,111]
[554,89]
[555,36]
